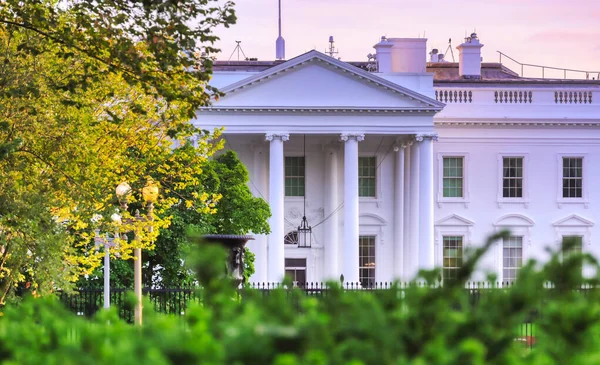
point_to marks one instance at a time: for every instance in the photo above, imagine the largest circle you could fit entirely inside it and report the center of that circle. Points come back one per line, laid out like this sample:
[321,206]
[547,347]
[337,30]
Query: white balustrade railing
[500,96]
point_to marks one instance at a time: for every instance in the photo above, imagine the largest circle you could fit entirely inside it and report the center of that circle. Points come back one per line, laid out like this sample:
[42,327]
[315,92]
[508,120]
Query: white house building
[406,165]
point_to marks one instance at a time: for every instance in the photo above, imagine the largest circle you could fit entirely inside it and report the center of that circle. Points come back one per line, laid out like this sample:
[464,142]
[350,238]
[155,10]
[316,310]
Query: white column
[399,212]
[350,249]
[259,245]
[414,210]
[426,200]
[331,225]
[407,274]
[275,255]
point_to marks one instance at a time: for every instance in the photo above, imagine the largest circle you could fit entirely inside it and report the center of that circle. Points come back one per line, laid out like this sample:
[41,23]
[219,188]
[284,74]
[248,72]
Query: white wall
[542,148]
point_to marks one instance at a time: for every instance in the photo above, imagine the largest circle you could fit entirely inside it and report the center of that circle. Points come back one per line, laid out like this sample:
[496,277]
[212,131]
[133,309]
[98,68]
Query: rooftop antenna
[331,51]
[239,49]
[280,43]
[449,49]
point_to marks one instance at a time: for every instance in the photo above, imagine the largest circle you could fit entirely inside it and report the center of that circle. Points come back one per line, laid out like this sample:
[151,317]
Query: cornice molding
[327,109]
[508,123]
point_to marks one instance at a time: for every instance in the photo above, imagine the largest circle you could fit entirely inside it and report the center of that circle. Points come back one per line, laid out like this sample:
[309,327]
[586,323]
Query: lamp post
[107,242]
[149,194]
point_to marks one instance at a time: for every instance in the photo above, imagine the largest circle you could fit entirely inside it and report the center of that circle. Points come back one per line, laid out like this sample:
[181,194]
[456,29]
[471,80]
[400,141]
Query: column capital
[422,136]
[357,136]
[401,145]
[283,136]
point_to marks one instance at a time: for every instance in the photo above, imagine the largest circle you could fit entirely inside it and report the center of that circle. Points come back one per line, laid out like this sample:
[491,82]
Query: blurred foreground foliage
[417,325]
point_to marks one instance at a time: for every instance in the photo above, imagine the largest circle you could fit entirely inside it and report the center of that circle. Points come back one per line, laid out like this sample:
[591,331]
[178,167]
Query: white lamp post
[107,242]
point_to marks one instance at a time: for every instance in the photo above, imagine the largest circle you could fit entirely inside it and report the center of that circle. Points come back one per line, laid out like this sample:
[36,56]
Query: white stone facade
[347,113]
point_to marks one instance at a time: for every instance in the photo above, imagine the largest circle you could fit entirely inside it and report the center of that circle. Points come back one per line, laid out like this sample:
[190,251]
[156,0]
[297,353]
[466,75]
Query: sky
[560,33]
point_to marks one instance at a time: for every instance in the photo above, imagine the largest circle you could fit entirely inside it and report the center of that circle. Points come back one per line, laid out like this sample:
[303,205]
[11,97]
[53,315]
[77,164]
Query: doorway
[295,269]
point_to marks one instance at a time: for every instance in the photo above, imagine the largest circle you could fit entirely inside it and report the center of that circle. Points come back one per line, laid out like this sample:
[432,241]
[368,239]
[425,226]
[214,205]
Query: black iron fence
[88,301]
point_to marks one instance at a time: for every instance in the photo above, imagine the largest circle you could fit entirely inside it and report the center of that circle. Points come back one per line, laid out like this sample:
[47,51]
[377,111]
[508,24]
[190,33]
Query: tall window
[512,257]
[294,176]
[453,177]
[453,257]
[572,177]
[367,180]
[512,177]
[366,259]
[572,245]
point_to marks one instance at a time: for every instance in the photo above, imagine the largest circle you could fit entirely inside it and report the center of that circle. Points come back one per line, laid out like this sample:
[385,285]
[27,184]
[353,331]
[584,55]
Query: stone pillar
[331,225]
[399,212]
[426,238]
[414,210]
[408,256]
[275,255]
[259,245]
[350,248]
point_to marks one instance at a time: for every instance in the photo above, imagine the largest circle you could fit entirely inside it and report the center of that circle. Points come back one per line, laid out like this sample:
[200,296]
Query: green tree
[93,93]
[237,212]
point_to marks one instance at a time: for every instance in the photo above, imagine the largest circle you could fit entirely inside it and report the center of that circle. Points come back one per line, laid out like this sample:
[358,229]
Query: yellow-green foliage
[94,93]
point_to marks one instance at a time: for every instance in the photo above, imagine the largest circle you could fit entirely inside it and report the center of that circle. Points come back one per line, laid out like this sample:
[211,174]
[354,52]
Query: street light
[107,242]
[150,195]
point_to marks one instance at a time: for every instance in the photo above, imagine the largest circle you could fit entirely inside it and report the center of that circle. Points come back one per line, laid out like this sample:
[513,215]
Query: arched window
[291,238]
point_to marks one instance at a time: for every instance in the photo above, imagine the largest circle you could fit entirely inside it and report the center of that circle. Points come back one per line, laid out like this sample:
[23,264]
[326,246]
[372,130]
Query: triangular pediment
[573,221]
[315,80]
[514,220]
[454,220]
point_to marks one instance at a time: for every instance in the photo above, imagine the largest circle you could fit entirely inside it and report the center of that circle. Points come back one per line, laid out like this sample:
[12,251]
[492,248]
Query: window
[453,177]
[367,181]
[291,238]
[572,245]
[295,269]
[453,257]
[294,176]
[512,257]
[572,180]
[512,177]
[366,259]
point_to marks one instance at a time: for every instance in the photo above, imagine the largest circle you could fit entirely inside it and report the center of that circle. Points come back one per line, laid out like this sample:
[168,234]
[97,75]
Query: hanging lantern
[304,234]
[304,230]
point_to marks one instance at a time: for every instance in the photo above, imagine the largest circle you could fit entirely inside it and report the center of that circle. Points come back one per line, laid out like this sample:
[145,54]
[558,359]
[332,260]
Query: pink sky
[561,33]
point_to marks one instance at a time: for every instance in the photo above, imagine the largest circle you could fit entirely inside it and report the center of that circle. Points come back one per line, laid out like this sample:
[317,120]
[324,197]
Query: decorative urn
[235,245]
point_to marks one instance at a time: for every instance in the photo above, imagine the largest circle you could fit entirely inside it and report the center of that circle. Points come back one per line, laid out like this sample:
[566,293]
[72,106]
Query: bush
[416,325]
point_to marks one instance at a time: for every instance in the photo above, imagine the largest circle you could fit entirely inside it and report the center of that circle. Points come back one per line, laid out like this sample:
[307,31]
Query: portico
[348,116]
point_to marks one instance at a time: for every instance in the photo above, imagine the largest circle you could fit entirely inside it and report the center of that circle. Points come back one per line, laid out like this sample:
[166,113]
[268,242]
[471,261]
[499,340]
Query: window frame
[575,225]
[374,237]
[376,177]
[502,267]
[296,197]
[584,200]
[524,200]
[465,199]
[463,248]
[518,225]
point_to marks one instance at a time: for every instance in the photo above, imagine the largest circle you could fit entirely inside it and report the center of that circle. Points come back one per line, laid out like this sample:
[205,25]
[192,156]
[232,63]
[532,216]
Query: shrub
[415,325]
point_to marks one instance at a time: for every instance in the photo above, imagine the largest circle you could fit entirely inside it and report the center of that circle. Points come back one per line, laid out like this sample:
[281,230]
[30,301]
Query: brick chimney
[469,58]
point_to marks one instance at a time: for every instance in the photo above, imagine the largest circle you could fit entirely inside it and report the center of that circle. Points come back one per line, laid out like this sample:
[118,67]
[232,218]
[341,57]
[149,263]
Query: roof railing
[544,68]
